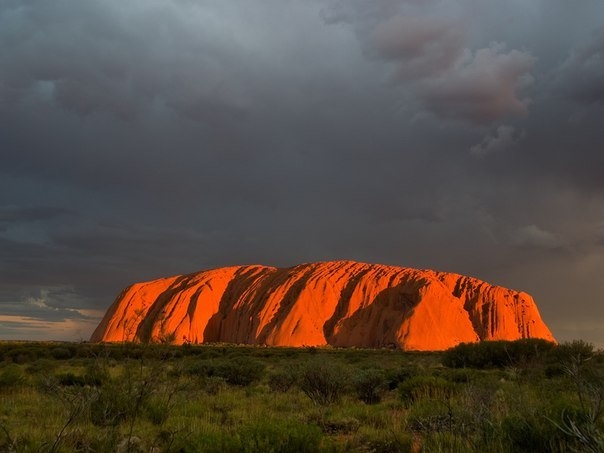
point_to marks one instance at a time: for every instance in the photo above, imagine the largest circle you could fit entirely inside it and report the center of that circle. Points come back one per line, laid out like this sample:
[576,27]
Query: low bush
[111,406]
[281,381]
[24,355]
[96,374]
[276,436]
[42,367]
[377,441]
[157,411]
[578,351]
[339,425]
[240,371]
[11,376]
[370,385]
[430,415]
[200,368]
[90,378]
[123,397]
[449,442]
[70,379]
[459,376]
[396,376]
[213,385]
[425,387]
[497,354]
[322,382]
[60,353]
[528,434]
[554,370]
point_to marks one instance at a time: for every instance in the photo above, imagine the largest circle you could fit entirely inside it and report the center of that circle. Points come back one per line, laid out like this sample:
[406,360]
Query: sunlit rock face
[338,303]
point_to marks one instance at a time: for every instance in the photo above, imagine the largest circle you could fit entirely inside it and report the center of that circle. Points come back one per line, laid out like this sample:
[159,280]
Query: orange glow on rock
[339,303]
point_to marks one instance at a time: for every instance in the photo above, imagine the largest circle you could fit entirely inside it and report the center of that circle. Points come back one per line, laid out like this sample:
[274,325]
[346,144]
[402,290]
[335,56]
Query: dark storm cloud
[429,47]
[581,76]
[15,215]
[149,138]
[421,46]
[53,304]
[502,139]
[483,88]
[122,59]
[533,236]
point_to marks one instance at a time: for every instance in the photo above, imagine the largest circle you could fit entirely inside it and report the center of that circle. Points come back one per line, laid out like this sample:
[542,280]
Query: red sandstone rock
[339,303]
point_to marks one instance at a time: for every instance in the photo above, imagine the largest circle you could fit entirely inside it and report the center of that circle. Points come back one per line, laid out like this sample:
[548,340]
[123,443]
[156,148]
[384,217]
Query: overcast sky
[147,138]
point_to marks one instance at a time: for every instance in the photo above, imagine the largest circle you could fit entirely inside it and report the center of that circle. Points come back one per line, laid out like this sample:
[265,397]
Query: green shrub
[42,367]
[396,376]
[111,406]
[11,376]
[96,374]
[276,436]
[497,354]
[281,381]
[60,353]
[124,396]
[213,385]
[71,379]
[425,387]
[85,351]
[24,355]
[530,350]
[157,411]
[370,385]
[215,441]
[323,383]
[449,442]
[430,415]
[577,350]
[199,368]
[341,425]
[459,376]
[91,378]
[526,434]
[579,430]
[379,442]
[241,371]
[554,370]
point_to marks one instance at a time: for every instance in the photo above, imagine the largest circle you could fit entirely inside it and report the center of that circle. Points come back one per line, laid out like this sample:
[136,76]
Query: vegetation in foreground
[524,396]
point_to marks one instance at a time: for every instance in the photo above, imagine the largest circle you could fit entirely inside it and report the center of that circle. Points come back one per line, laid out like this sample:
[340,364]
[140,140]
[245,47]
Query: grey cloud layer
[430,53]
[136,58]
[582,74]
[147,138]
[500,141]
[117,57]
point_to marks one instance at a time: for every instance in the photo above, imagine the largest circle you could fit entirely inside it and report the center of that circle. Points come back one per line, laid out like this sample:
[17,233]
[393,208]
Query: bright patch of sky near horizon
[149,138]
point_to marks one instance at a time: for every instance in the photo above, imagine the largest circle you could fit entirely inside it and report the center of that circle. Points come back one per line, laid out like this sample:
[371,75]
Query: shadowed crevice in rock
[378,324]
[288,301]
[194,300]
[242,279]
[155,313]
[112,314]
[343,304]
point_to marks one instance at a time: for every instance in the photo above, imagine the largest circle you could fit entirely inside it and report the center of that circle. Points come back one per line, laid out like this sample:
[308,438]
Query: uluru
[337,303]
